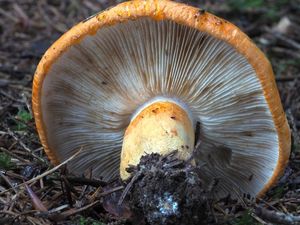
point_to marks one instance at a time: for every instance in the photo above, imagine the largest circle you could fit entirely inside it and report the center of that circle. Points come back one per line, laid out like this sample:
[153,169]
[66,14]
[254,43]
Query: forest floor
[27,29]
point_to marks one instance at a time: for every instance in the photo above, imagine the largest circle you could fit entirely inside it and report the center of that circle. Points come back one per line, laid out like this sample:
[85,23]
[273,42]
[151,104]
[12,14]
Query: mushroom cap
[90,82]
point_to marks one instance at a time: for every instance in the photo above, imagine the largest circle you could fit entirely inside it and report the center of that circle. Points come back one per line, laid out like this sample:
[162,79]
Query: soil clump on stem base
[165,190]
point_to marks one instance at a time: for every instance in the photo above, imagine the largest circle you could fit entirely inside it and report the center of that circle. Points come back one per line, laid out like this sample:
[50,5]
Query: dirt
[168,191]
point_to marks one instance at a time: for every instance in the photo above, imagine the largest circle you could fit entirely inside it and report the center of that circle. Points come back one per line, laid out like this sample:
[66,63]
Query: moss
[22,118]
[88,221]
[245,4]
[5,162]
[245,219]
[278,192]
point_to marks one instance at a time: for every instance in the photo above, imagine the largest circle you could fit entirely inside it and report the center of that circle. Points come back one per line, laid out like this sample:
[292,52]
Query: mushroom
[135,79]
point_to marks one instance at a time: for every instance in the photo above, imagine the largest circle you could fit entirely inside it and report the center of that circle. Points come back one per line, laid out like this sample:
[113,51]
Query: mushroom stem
[160,127]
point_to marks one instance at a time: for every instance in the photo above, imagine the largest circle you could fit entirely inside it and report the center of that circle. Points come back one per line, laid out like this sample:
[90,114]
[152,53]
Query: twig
[261,221]
[84,181]
[14,155]
[284,39]
[277,217]
[15,175]
[47,172]
[8,15]
[170,156]
[8,213]
[111,191]
[212,211]
[21,14]
[118,222]
[25,99]
[48,20]
[195,150]
[10,97]
[57,209]
[67,188]
[6,179]
[293,125]
[267,203]
[55,168]
[67,213]
[36,202]
[289,41]
[129,186]
[173,163]
[285,79]
[24,146]
[286,51]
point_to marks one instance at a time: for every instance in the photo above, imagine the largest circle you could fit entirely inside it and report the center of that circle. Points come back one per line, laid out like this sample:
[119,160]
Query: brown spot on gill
[197,133]
[174,132]
[247,97]
[247,133]
[210,87]
[173,117]
[220,56]
[250,177]
[83,55]
[63,87]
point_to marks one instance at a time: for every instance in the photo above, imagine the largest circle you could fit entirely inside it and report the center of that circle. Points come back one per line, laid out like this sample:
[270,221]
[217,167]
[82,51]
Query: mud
[168,191]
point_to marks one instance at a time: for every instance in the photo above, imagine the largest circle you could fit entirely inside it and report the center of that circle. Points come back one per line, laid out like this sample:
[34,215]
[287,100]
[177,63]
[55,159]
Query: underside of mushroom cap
[93,79]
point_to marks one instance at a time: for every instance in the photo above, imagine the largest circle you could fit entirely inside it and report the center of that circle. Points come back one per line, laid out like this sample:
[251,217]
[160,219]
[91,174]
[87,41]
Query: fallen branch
[67,213]
[104,193]
[277,217]
[83,181]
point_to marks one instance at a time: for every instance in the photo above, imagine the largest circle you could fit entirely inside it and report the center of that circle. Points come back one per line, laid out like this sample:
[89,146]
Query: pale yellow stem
[161,127]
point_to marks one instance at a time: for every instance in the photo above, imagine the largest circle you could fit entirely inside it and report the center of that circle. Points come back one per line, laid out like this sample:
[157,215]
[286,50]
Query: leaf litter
[33,192]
